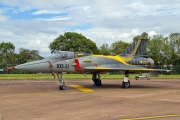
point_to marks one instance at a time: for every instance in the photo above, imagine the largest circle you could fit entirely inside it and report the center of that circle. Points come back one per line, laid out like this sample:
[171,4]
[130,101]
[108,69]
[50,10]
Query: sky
[34,24]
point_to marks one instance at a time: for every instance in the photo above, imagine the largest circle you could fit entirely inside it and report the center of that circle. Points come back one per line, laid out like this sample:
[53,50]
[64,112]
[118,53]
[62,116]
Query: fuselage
[65,61]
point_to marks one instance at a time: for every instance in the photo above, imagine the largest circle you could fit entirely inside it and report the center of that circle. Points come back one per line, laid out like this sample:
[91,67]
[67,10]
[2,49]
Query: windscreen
[67,54]
[63,55]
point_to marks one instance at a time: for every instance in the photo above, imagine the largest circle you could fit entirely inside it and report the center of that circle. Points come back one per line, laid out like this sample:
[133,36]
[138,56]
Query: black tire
[62,87]
[97,82]
[126,84]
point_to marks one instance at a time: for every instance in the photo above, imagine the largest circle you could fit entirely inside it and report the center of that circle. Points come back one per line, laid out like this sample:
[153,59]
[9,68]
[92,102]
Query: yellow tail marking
[81,88]
[136,47]
[130,57]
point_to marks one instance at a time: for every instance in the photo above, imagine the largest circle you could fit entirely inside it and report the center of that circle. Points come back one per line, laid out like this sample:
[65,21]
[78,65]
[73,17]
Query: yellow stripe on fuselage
[128,58]
[100,68]
[87,61]
[117,57]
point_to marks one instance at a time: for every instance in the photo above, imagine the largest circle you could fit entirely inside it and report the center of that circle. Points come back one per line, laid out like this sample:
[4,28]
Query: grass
[72,76]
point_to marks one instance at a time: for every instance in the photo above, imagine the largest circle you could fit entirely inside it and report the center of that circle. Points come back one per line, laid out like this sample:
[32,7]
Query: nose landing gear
[62,83]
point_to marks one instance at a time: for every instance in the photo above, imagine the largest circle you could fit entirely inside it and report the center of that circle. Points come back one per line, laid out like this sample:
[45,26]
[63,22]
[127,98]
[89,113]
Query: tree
[118,47]
[7,53]
[159,50]
[72,41]
[174,43]
[7,47]
[26,55]
[136,37]
[1,58]
[104,49]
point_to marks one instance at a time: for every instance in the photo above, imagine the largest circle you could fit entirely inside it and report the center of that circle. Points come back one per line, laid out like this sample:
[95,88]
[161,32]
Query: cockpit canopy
[63,55]
[67,55]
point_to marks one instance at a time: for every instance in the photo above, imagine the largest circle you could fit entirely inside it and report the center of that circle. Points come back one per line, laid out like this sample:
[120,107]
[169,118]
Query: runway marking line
[81,88]
[153,117]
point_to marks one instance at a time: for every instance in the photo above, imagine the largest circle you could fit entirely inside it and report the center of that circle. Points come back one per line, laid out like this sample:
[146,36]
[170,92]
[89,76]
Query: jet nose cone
[36,66]
[21,67]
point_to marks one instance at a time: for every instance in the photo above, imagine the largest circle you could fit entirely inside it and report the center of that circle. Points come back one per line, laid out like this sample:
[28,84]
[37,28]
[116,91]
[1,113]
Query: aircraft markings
[81,88]
[153,117]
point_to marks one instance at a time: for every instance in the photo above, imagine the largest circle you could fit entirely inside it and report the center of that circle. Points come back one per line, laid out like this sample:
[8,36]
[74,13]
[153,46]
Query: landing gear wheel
[96,79]
[62,83]
[97,82]
[62,87]
[126,84]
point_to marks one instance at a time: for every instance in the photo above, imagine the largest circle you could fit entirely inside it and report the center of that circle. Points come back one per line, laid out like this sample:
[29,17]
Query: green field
[72,76]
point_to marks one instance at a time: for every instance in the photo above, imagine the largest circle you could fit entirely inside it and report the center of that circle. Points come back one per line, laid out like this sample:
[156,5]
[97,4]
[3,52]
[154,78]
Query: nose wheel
[62,87]
[62,83]
[126,84]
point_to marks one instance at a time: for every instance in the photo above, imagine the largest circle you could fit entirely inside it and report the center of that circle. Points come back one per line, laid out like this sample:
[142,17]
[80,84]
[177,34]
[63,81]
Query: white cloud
[138,6]
[151,33]
[135,32]
[4,32]
[39,12]
[38,41]
[3,18]
[110,20]
[124,35]
[56,18]
[101,35]
[86,8]
[163,9]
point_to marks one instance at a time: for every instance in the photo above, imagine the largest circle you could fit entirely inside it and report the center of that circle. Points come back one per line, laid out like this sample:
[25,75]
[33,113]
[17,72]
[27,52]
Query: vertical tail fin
[138,47]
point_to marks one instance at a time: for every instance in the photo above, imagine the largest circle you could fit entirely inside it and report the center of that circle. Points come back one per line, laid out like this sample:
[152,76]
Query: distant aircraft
[131,60]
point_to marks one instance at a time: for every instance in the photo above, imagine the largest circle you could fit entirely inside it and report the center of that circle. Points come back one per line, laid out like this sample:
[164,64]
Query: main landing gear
[96,79]
[126,82]
[62,83]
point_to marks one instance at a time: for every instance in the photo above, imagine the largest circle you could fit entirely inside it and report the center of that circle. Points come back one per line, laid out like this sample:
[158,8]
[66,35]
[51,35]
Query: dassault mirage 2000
[131,60]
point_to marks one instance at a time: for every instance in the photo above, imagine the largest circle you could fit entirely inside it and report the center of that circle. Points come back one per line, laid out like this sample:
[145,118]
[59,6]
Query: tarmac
[42,100]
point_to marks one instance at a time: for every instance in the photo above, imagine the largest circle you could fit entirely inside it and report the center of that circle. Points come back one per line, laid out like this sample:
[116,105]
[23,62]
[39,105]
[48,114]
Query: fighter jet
[131,60]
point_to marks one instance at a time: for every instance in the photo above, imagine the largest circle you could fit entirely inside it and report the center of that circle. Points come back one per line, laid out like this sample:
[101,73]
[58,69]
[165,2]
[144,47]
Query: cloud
[3,18]
[38,23]
[56,18]
[151,33]
[142,9]
[39,12]
[4,32]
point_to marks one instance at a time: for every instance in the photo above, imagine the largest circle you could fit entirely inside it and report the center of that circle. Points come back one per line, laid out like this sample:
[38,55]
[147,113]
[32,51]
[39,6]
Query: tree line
[164,50]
